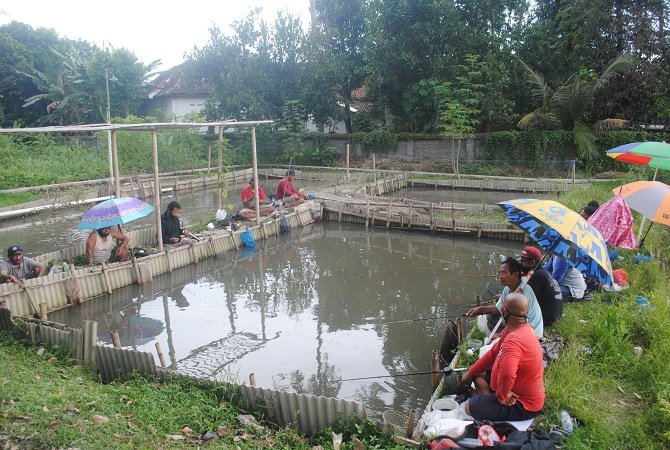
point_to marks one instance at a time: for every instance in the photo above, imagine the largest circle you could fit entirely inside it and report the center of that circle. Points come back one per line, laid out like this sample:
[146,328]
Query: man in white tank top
[100,246]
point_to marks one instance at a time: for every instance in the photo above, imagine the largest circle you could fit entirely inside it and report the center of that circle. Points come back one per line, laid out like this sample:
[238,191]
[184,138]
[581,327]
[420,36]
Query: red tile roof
[177,81]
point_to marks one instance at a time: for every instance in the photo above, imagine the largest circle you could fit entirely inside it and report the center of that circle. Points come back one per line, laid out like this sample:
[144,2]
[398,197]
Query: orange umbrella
[649,198]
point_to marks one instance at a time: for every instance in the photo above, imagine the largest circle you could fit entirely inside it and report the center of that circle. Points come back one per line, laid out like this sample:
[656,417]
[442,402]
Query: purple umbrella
[115,211]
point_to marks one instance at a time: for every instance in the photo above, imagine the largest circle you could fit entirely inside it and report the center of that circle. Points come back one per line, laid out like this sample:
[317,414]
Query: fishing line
[420,319]
[397,375]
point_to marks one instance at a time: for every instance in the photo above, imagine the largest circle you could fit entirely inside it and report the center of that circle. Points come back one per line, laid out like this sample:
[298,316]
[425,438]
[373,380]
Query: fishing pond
[328,309]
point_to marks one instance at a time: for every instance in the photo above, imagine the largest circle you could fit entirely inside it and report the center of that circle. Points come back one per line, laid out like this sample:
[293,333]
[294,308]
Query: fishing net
[395,418]
[72,290]
[492,289]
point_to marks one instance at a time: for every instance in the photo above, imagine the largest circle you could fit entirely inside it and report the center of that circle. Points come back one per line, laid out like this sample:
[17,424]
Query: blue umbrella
[562,232]
[115,211]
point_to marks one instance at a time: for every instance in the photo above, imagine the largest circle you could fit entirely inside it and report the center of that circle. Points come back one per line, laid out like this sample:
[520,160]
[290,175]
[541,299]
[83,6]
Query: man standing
[249,201]
[515,390]
[286,193]
[546,289]
[99,246]
[17,267]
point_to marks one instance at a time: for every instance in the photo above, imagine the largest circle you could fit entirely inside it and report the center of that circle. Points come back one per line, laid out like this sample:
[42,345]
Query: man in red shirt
[249,201]
[287,193]
[515,390]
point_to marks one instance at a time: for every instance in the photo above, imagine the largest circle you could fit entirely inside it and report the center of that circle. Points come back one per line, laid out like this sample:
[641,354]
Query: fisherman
[546,289]
[18,267]
[587,211]
[286,193]
[515,389]
[249,201]
[510,278]
[99,246]
[170,224]
[570,280]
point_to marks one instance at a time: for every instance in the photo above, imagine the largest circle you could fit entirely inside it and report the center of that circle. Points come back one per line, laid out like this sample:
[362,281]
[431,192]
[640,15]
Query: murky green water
[309,311]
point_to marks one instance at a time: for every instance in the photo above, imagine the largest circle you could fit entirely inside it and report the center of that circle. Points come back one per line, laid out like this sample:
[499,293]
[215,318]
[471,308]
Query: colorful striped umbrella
[652,154]
[115,211]
[562,232]
[649,198]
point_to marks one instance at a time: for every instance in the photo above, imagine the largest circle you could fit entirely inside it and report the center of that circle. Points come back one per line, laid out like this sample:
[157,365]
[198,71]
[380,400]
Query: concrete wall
[419,147]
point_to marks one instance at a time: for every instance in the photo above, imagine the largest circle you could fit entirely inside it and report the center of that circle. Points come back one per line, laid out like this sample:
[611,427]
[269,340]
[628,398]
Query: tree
[344,24]
[458,103]
[568,107]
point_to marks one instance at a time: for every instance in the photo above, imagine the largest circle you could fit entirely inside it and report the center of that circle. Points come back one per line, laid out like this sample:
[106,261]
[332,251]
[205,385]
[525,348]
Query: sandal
[558,435]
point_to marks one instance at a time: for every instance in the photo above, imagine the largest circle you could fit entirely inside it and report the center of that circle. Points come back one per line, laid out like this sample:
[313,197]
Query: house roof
[358,101]
[177,81]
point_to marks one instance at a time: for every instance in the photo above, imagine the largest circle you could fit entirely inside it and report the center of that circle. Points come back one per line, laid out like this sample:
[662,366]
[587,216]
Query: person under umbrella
[99,246]
[571,281]
[546,289]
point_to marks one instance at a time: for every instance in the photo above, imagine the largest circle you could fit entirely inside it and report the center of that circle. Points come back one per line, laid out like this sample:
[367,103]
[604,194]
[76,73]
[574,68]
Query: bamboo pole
[115,339]
[252,379]
[435,364]
[348,145]
[29,294]
[106,278]
[43,311]
[157,189]
[409,429]
[161,357]
[115,157]
[220,179]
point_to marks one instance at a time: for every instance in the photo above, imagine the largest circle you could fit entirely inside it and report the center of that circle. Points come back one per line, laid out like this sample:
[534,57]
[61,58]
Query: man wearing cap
[547,291]
[249,201]
[286,193]
[17,267]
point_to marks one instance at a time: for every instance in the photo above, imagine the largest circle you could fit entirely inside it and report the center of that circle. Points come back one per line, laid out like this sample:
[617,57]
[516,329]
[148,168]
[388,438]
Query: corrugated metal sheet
[115,362]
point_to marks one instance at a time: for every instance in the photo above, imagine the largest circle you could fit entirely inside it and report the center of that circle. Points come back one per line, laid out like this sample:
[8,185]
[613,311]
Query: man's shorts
[487,407]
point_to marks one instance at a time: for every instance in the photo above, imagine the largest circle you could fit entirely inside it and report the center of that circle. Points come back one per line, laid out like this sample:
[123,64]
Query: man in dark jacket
[546,289]
[170,225]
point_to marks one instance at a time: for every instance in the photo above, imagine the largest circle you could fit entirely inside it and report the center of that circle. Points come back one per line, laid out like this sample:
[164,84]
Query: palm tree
[568,107]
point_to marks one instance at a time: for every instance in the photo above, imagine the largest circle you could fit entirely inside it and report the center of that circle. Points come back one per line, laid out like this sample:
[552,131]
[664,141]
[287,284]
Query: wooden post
[453,219]
[252,379]
[409,430]
[157,190]
[432,222]
[115,158]
[388,219]
[115,339]
[435,367]
[220,180]
[573,174]
[169,263]
[209,159]
[43,311]
[367,215]
[409,222]
[194,255]
[106,277]
[160,351]
[29,294]
[374,168]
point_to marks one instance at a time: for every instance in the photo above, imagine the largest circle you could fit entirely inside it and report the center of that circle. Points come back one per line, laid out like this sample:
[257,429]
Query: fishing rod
[421,319]
[397,375]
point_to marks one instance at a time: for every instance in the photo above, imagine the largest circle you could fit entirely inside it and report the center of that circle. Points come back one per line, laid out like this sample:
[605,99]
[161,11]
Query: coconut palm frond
[585,141]
[620,65]
[540,90]
[610,124]
[538,118]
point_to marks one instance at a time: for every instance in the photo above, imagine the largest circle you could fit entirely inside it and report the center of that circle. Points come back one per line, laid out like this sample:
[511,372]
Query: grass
[18,198]
[49,400]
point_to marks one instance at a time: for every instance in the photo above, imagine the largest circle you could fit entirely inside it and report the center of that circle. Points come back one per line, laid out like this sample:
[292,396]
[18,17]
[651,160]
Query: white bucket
[447,406]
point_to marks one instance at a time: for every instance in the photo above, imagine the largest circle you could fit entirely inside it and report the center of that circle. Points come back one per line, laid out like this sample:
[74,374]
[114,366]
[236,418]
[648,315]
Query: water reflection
[309,310]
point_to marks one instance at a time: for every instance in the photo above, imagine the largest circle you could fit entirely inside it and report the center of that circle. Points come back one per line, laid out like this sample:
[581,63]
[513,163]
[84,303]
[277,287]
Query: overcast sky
[151,30]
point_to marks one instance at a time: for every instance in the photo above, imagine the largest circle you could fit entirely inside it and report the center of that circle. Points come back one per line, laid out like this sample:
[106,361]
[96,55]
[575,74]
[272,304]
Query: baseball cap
[290,172]
[531,252]
[14,250]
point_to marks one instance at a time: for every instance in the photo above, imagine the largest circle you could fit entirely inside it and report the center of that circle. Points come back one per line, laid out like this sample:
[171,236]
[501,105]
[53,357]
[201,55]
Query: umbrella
[115,211]
[562,232]
[652,154]
[615,223]
[649,198]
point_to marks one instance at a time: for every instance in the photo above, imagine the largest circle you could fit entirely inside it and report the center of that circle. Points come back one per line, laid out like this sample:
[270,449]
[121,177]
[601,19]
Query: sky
[151,30]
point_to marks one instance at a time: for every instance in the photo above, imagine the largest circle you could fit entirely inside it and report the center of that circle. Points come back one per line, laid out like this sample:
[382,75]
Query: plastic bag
[248,238]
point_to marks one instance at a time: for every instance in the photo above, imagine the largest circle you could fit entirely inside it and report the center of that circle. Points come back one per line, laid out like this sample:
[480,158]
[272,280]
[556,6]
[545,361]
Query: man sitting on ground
[287,193]
[571,281]
[546,289]
[249,201]
[99,246]
[515,390]
[17,267]
[510,278]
